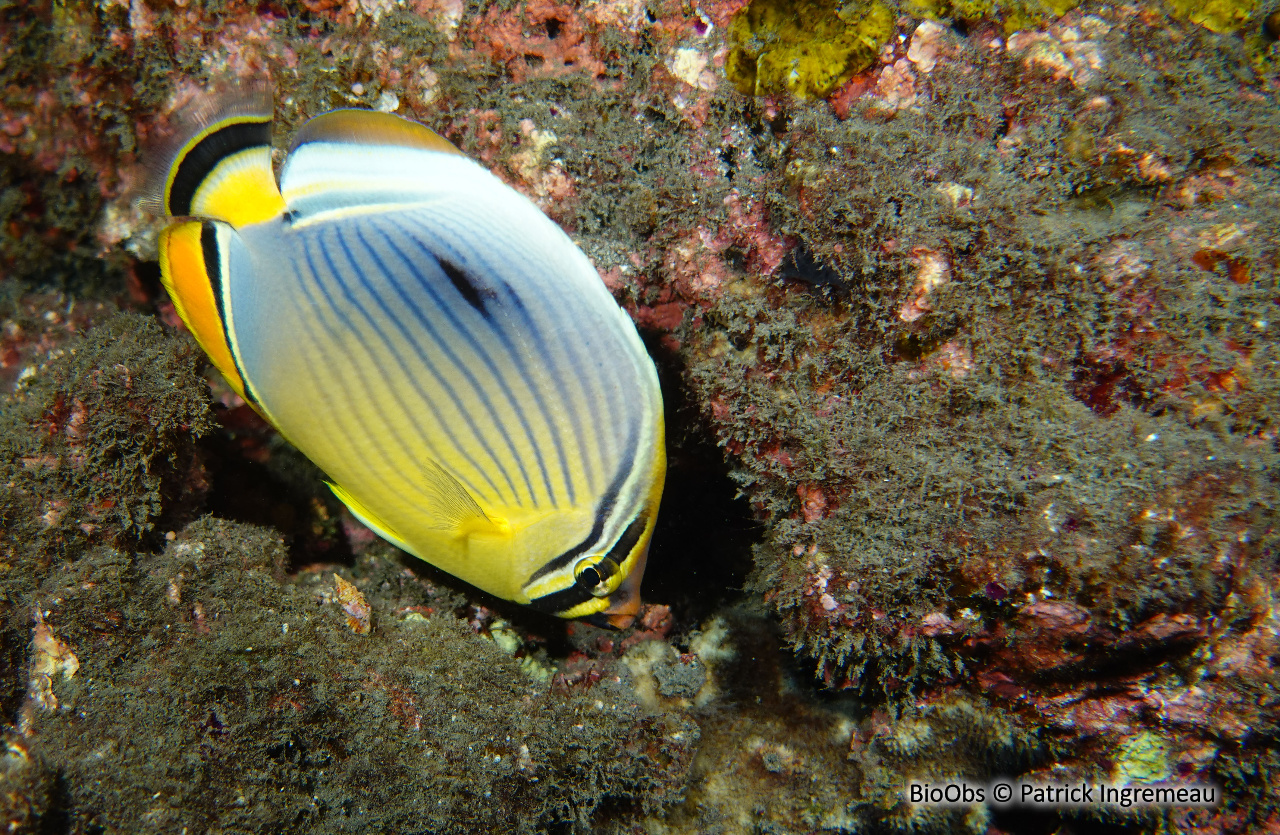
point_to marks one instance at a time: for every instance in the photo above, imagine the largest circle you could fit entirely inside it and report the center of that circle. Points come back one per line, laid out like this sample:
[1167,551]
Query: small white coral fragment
[897,85]
[546,181]
[923,51]
[510,642]
[1071,52]
[690,66]
[960,197]
[51,659]
[933,272]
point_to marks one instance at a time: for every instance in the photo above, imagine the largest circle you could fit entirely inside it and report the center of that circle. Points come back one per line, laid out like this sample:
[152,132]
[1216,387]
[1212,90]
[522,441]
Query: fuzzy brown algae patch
[961,322]
[213,692]
[98,442]
[930,333]
[1012,415]
[1022,441]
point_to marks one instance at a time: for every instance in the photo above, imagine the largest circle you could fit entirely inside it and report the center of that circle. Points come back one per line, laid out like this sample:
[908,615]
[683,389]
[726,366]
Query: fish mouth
[624,602]
[617,621]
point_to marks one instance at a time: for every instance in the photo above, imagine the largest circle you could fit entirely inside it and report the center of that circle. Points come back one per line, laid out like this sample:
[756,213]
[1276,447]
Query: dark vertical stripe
[460,328]
[500,330]
[561,601]
[466,286]
[478,260]
[603,513]
[194,166]
[212,254]
[422,358]
[622,548]
[363,385]
[577,594]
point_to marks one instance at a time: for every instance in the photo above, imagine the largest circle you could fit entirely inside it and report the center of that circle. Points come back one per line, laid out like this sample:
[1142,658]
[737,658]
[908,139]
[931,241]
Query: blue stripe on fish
[577,372]
[330,362]
[401,361]
[453,356]
[490,365]
[436,345]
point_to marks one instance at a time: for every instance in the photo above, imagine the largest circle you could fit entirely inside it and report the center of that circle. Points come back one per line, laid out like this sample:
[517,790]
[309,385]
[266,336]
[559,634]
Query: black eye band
[590,577]
[199,161]
[622,548]
[561,601]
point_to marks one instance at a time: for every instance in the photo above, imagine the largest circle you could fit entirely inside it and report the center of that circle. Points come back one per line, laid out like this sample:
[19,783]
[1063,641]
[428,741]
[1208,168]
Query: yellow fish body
[432,341]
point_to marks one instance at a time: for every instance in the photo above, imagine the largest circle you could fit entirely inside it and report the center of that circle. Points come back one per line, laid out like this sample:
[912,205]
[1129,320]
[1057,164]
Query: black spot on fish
[471,290]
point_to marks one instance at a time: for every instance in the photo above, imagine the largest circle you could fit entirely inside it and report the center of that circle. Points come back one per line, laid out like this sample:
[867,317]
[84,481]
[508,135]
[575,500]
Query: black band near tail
[213,269]
[201,159]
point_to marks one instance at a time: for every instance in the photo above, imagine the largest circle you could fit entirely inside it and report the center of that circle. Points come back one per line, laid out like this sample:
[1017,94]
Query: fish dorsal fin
[370,127]
[218,164]
[348,161]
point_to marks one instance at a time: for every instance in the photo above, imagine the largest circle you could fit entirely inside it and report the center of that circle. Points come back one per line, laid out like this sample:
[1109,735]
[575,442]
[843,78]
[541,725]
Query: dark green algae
[214,693]
[936,483]
[942,484]
[97,442]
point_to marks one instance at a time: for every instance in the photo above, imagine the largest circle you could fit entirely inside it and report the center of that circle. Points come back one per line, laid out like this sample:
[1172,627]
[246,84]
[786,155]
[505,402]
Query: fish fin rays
[217,164]
[451,509]
[457,509]
[350,162]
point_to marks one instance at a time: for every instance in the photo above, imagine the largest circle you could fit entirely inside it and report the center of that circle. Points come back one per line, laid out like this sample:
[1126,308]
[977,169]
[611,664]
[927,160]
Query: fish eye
[594,575]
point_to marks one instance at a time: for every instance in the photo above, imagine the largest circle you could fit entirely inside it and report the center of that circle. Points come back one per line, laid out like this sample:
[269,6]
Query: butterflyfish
[430,339]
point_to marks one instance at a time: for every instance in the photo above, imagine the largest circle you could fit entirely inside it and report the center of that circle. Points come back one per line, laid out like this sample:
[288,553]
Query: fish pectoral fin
[455,509]
[369,519]
[451,509]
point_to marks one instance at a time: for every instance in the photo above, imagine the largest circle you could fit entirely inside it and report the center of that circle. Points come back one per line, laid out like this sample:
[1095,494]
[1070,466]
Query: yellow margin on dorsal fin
[218,163]
[191,283]
[370,127]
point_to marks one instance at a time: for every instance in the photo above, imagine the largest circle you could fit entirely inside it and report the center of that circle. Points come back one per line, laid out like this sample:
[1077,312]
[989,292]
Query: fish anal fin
[370,519]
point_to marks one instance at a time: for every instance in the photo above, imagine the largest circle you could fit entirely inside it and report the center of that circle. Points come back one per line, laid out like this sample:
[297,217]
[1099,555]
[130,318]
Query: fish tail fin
[217,162]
